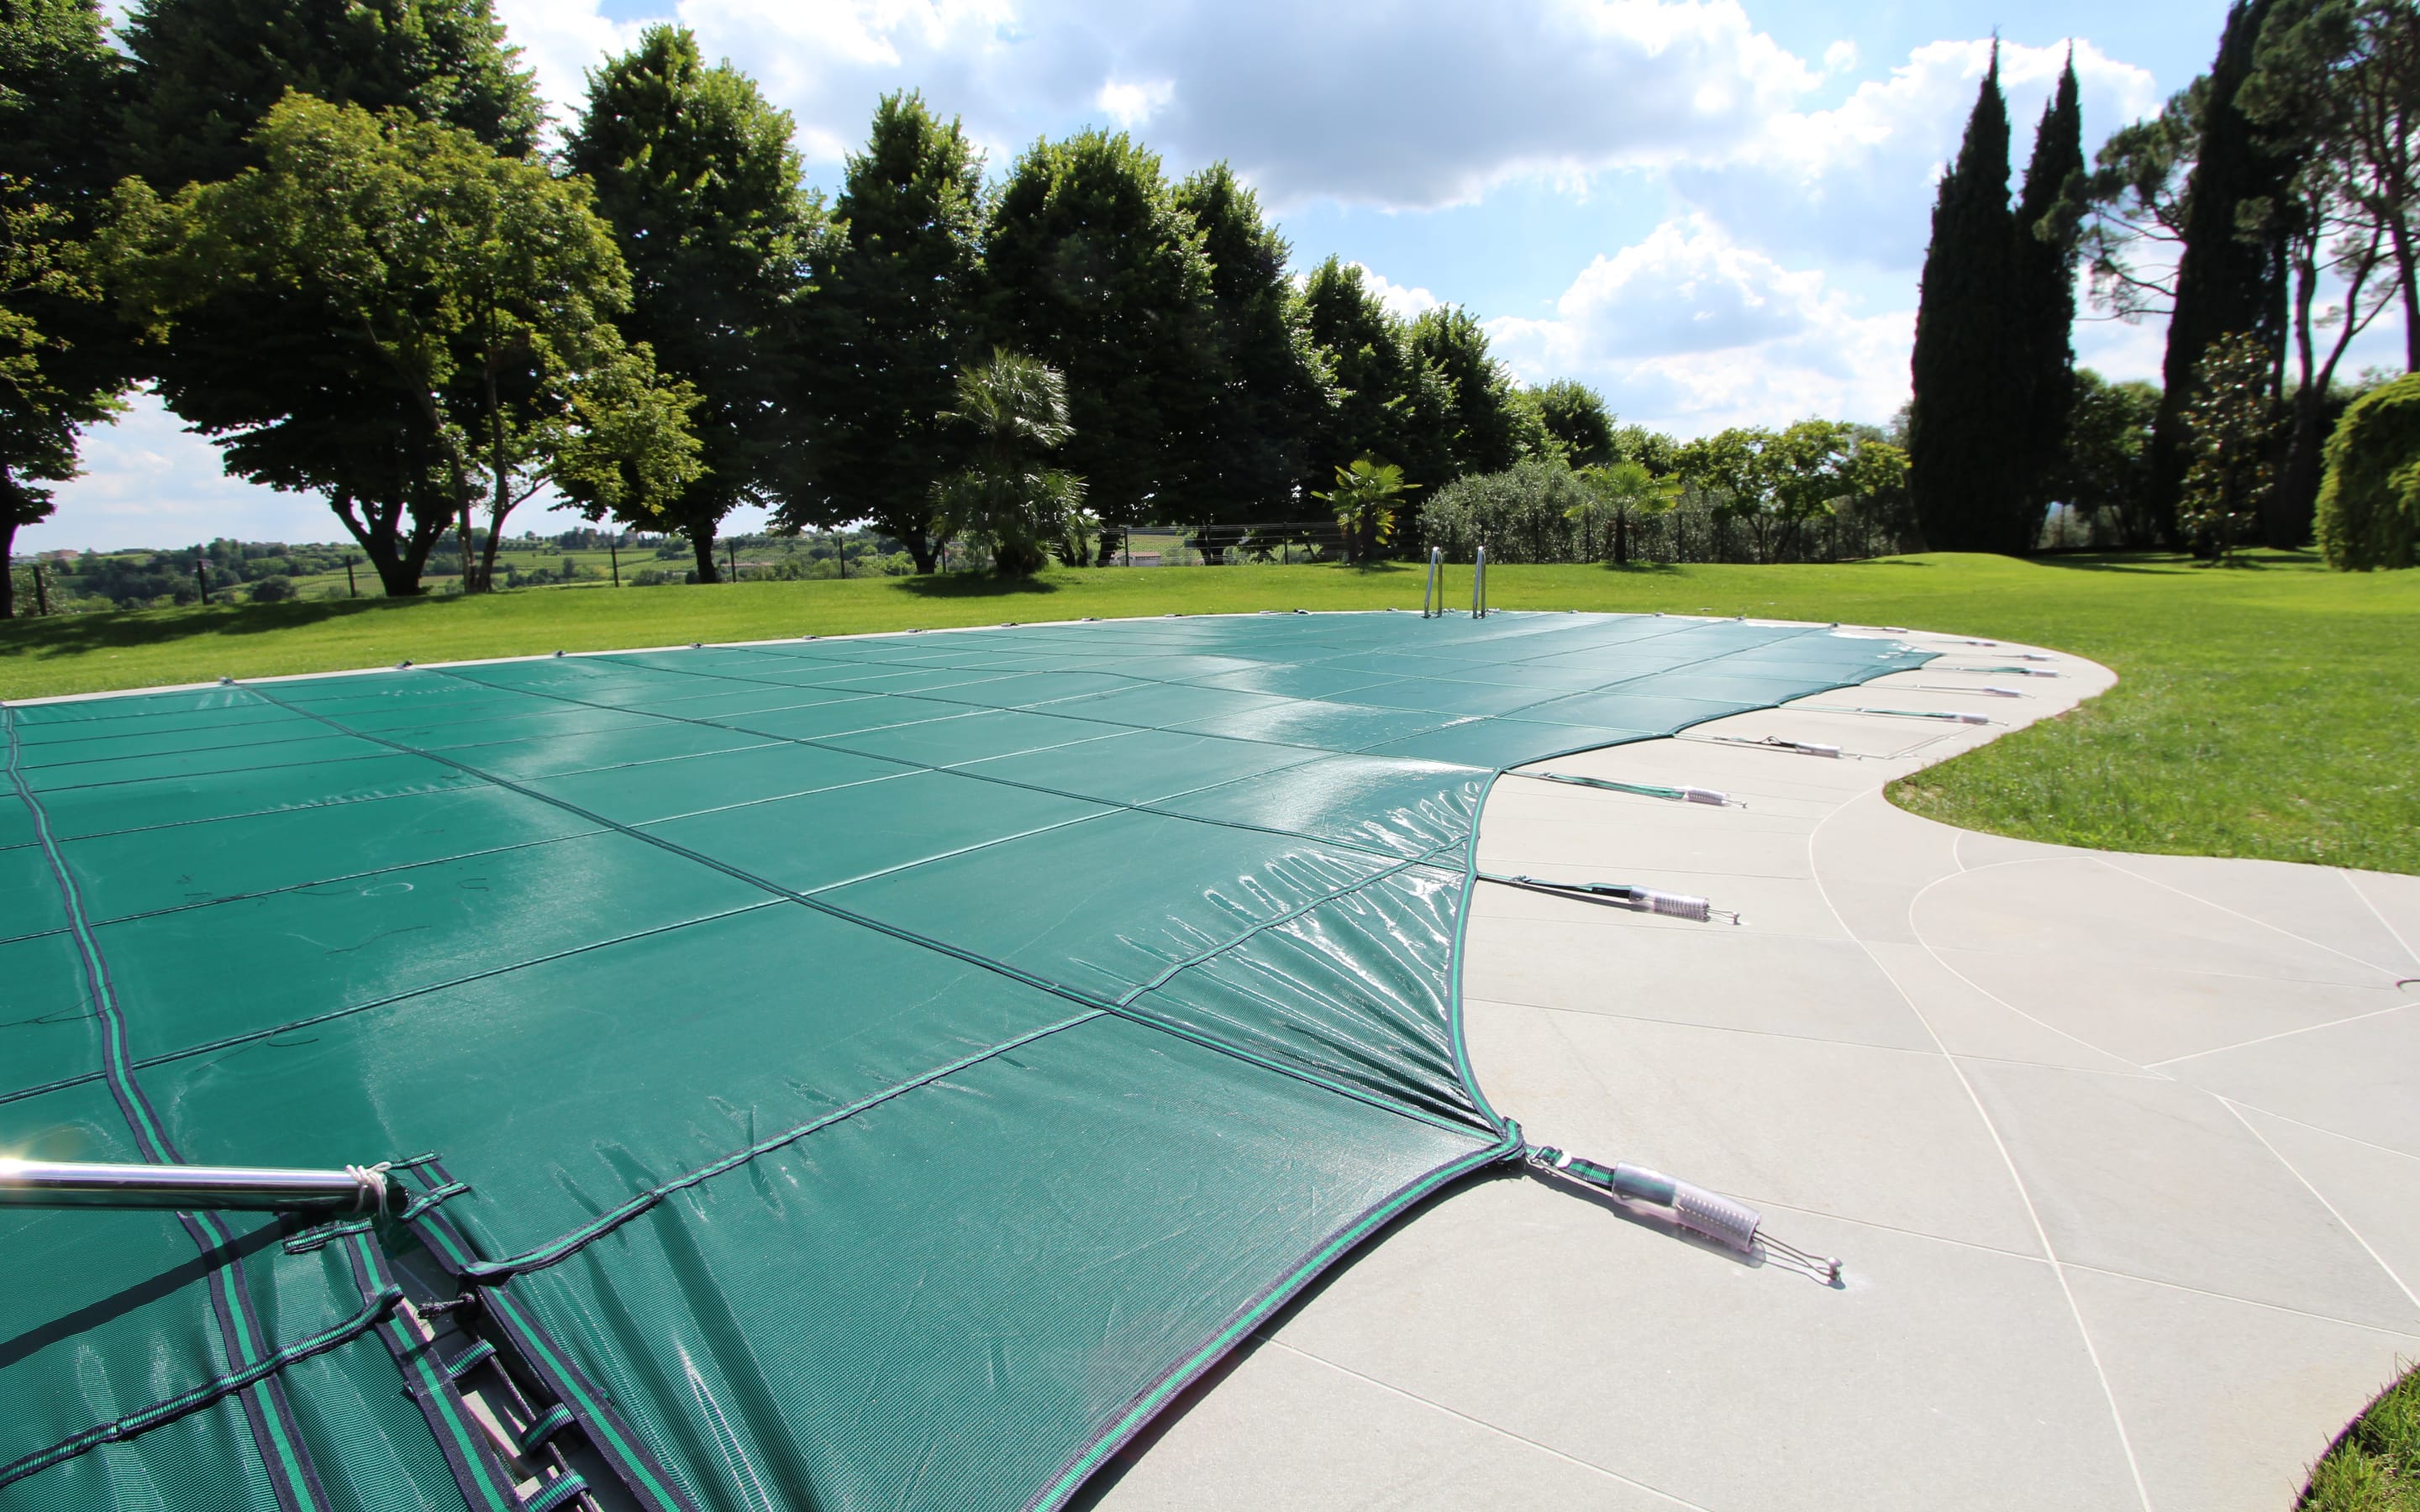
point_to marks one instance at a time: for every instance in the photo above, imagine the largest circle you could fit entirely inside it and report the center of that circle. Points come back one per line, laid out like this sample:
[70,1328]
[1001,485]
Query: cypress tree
[2227,281]
[1391,408]
[1958,423]
[2043,306]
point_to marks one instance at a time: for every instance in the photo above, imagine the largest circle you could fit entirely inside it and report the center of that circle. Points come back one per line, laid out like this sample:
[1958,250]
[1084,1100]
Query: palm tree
[1009,498]
[1364,500]
[1615,493]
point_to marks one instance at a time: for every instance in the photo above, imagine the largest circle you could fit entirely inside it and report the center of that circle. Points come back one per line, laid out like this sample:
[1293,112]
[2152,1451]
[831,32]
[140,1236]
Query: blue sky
[1714,213]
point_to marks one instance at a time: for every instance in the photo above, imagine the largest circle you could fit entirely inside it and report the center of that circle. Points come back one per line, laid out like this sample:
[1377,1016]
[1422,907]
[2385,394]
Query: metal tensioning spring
[1711,1214]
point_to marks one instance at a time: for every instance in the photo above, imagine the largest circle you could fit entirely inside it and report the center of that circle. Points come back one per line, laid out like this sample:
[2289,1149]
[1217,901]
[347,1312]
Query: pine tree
[893,319]
[1959,449]
[2229,281]
[2044,308]
[696,172]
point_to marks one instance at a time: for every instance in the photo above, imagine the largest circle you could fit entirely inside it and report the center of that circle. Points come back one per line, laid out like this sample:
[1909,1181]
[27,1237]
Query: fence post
[613,553]
[352,589]
[202,574]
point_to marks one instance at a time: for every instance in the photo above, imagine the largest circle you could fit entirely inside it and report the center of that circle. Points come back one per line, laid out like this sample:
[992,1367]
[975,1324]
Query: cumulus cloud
[1856,181]
[1440,101]
[1689,330]
[1405,302]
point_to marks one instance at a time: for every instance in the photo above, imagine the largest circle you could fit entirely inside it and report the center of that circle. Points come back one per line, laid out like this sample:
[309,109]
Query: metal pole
[613,551]
[46,1183]
[1479,586]
[1437,564]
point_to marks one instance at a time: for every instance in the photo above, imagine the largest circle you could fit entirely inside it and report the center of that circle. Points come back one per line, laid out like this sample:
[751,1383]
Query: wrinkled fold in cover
[874,1072]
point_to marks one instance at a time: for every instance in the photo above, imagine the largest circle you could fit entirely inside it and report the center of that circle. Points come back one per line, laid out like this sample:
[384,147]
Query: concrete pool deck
[2120,1153]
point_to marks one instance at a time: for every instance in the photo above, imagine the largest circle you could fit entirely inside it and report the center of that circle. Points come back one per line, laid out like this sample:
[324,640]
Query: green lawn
[2266,709]
[2375,1466]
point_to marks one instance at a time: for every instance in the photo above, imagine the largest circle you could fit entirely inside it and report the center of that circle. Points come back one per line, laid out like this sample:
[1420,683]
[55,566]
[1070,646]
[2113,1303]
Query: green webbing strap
[209,1392]
[293,1479]
[1644,790]
[556,1492]
[478,1474]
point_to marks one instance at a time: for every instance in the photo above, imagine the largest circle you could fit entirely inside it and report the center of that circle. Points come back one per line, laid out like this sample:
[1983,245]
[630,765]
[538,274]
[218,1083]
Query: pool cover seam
[1030,979]
[915,767]
[293,1479]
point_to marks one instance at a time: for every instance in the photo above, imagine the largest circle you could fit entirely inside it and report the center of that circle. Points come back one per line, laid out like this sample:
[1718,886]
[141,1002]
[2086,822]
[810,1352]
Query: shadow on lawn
[68,635]
[973,585]
[2153,564]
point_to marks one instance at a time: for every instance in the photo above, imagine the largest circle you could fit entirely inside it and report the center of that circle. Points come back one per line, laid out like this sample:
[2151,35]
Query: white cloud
[1129,105]
[1439,100]
[148,482]
[1856,181]
[1840,56]
[1691,331]
[1406,302]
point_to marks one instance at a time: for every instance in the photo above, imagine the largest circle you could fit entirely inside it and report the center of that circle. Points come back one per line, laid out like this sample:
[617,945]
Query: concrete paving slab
[2226,1404]
[2375,1192]
[2120,1153]
[1322,1437]
[2156,1179]
[1883,1136]
[2319,905]
[1731,1385]
[1717,976]
[1970,1022]
[2352,1077]
[2150,1013]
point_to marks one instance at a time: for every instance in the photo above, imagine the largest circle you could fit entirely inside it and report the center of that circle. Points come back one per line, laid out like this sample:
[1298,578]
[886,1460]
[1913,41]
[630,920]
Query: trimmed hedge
[2369,503]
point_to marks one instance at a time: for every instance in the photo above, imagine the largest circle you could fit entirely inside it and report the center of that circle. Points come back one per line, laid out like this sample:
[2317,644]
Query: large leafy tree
[1488,427]
[1575,416]
[2336,92]
[1390,405]
[893,315]
[461,300]
[1267,391]
[62,357]
[2042,305]
[1963,474]
[696,173]
[1092,267]
[208,71]
[2105,469]
[256,366]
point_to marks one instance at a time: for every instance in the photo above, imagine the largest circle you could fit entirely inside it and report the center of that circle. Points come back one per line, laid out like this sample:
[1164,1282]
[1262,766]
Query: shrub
[2369,503]
[1522,514]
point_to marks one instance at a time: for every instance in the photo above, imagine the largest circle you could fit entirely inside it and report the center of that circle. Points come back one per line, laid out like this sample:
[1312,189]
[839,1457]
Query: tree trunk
[701,542]
[2409,277]
[1622,538]
[8,573]
[462,546]
[920,550]
[1112,538]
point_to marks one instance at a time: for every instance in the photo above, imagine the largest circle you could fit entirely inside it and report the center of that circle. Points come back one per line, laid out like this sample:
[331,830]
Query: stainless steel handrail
[1434,588]
[52,1184]
[1478,585]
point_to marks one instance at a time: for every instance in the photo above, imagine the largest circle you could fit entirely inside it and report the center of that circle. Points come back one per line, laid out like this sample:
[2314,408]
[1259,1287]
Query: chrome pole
[1479,586]
[1436,564]
[53,1183]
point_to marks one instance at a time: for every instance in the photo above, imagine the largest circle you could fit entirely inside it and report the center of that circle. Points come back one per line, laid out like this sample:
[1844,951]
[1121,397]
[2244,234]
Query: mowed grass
[2267,709]
[2375,1466]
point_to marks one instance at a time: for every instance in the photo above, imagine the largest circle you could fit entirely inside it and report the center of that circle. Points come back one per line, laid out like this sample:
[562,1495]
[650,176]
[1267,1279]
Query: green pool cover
[838,1073]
